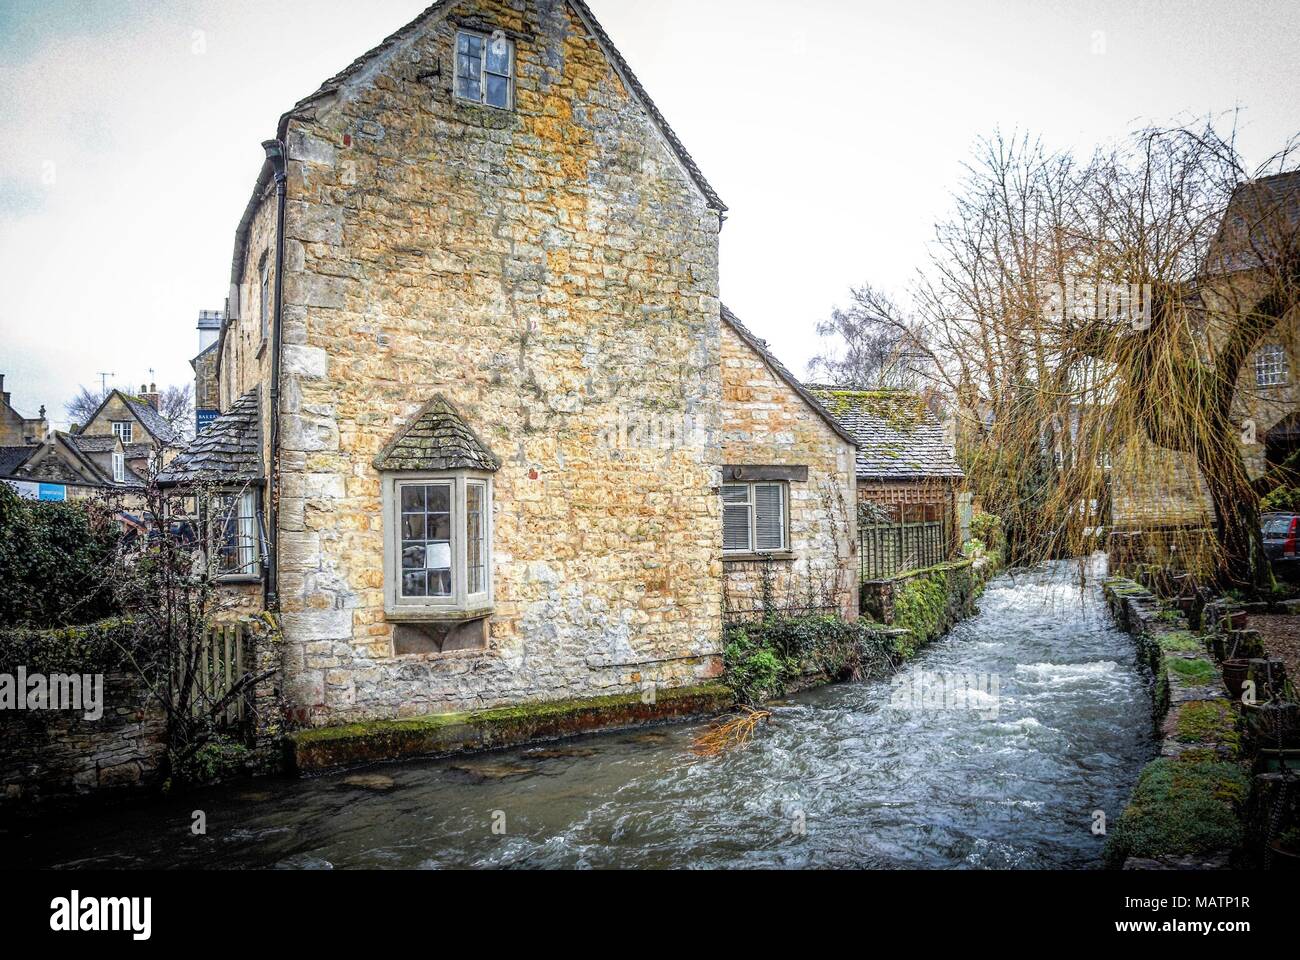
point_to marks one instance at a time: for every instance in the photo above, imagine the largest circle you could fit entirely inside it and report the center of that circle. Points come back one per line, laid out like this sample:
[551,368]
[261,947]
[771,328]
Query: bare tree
[176,404]
[83,406]
[874,346]
[1017,306]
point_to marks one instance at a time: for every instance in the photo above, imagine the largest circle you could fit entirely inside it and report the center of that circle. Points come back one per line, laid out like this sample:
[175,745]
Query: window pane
[475,502]
[498,57]
[426,540]
[413,527]
[498,91]
[468,89]
[769,517]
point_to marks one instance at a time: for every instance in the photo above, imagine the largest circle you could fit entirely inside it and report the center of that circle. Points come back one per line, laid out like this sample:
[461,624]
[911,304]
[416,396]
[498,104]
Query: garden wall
[927,603]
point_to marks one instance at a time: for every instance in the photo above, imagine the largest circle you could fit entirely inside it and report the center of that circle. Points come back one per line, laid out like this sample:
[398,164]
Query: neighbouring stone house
[483,414]
[1155,489]
[907,477]
[58,465]
[148,439]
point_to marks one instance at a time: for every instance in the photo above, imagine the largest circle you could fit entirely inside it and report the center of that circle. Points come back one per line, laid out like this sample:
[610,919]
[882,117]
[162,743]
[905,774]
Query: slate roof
[437,439]
[11,458]
[898,437]
[1260,222]
[93,444]
[760,347]
[228,451]
[153,421]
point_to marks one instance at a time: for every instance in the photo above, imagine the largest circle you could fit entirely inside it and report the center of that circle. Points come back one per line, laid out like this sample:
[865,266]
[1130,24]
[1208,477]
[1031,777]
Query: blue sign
[52,493]
[205,417]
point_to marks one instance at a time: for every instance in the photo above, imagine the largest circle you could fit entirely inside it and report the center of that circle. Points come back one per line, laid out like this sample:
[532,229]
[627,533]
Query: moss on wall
[1181,808]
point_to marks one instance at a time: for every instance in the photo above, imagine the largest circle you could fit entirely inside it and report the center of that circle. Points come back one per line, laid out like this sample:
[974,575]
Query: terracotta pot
[1235,673]
[1283,859]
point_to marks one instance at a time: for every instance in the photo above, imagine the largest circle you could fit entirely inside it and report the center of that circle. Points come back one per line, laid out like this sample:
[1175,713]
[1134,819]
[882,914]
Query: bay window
[233,535]
[438,546]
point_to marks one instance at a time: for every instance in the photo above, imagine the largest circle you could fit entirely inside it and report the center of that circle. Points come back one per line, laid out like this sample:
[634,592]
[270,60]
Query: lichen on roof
[898,436]
[437,438]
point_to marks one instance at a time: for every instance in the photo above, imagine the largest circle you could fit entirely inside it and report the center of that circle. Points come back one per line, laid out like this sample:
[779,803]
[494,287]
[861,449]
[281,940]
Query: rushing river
[846,776]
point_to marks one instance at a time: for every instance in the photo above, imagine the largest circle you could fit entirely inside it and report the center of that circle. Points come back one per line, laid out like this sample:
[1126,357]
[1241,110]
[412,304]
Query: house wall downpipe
[276,156]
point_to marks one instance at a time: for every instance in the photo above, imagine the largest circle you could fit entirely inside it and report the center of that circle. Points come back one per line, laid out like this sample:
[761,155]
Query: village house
[487,435]
[56,465]
[909,483]
[1159,494]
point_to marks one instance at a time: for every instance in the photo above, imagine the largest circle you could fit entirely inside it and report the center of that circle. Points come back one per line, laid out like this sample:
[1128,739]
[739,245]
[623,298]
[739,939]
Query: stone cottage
[908,478]
[479,392]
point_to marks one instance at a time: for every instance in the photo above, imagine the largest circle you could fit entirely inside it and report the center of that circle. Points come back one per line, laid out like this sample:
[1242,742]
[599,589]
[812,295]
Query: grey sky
[835,131]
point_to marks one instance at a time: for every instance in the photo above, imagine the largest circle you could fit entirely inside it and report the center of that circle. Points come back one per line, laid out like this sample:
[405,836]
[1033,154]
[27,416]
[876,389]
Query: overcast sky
[835,131]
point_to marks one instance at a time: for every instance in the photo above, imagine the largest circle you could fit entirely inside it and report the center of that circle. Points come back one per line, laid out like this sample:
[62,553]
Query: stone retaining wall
[49,756]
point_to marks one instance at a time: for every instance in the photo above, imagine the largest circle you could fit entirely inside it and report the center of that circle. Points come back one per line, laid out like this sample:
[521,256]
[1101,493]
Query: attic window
[119,468]
[485,69]
[124,430]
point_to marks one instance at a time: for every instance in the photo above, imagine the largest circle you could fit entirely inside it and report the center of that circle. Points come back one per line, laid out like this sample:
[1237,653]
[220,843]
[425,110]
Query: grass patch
[1209,722]
[1196,671]
[1180,641]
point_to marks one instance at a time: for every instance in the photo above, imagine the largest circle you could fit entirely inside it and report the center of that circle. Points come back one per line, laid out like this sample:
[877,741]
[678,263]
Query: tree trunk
[1241,541]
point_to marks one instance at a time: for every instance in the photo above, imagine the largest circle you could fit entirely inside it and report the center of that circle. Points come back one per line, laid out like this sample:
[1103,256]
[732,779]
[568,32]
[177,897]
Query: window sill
[783,556]
[240,580]
[436,615]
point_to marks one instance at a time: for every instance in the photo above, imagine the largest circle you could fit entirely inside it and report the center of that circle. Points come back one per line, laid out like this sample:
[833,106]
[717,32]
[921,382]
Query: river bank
[843,776]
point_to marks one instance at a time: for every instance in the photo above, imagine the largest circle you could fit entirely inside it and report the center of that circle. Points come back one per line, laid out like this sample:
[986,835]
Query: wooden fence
[886,550]
[224,657]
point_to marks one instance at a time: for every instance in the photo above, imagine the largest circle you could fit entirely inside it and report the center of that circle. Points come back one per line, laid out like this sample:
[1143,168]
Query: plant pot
[1284,859]
[1236,620]
[1271,760]
[1235,674]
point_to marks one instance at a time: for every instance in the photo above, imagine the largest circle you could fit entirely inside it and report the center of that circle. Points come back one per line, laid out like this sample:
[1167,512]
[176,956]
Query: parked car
[1281,531]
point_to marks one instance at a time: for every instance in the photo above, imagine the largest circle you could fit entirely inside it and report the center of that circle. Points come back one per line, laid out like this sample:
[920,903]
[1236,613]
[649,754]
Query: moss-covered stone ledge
[1189,808]
[927,603]
[331,748]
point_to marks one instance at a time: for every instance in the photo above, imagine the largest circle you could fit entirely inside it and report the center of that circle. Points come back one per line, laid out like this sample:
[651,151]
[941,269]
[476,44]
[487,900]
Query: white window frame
[124,430]
[461,605]
[483,71]
[1271,366]
[119,468]
[264,294]
[248,539]
[751,505]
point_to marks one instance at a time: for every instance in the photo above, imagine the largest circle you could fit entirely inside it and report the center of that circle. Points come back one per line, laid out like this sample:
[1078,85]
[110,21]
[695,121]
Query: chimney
[209,328]
[150,396]
[2,389]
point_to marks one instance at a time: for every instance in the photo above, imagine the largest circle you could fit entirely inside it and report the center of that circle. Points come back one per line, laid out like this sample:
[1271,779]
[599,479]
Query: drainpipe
[275,154]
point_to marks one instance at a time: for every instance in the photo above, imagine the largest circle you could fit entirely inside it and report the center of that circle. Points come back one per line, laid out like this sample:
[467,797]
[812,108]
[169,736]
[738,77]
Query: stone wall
[766,423]
[552,270]
[49,756]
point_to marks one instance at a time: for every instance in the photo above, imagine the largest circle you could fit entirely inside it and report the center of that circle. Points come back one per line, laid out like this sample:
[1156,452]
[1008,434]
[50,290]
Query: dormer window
[119,468]
[485,69]
[124,430]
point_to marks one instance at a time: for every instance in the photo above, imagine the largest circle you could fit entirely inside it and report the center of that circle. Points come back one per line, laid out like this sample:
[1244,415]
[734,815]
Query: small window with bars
[754,518]
[485,69]
[1271,366]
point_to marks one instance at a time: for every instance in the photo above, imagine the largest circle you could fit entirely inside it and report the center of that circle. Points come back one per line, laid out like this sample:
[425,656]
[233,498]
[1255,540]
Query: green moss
[1196,670]
[322,749]
[765,659]
[1208,722]
[1180,641]
[1181,808]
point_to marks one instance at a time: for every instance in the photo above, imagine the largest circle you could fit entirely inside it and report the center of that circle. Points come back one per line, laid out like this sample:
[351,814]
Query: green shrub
[54,561]
[1281,500]
[93,648]
[988,530]
[764,659]
[1181,808]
